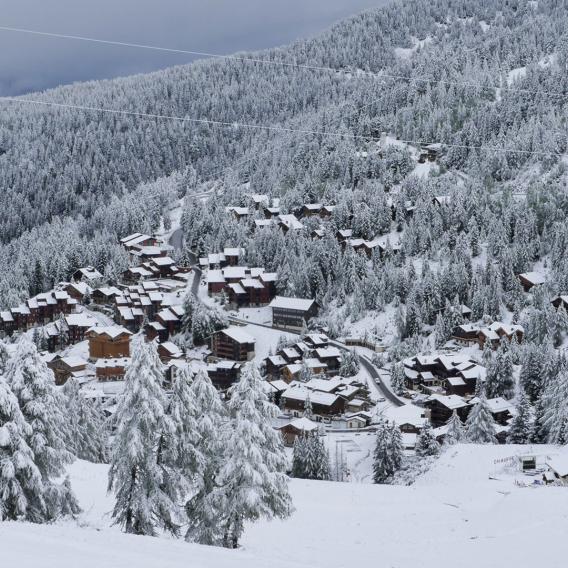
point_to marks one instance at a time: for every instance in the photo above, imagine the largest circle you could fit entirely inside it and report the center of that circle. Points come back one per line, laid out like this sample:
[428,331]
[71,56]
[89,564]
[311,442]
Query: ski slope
[465,512]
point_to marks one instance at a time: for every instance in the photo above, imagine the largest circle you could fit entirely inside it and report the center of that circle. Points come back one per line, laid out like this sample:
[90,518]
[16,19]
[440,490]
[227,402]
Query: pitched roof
[298,304]
[238,335]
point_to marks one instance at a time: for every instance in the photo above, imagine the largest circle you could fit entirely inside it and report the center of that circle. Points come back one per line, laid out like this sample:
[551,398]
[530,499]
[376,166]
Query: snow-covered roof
[291,222]
[559,464]
[113,331]
[73,361]
[327,352]
[535,278]
[238,335]
[81,320]
[298,392]
[171,348]
[451,401]
[303,424]
[110,363]
[298,304]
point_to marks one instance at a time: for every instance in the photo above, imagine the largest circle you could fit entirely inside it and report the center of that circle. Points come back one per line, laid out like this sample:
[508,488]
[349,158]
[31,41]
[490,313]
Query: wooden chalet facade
[109,342]
[233,344]
[292,313]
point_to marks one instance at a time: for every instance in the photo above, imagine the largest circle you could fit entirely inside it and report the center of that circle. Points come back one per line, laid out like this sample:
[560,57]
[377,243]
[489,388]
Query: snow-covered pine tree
[252,479]
[349,364]
[21,487]
[398,379]
[316,457]
[4,356]
[33,384]
[480,425]
[387,457]
[426,443]
[299,457]
[555,419]
[136,474]
[203,506]
[87,432]
[455,432]
[521,425]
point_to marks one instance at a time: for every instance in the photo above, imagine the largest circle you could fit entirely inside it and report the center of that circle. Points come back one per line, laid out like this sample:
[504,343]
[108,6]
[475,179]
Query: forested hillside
[420,70]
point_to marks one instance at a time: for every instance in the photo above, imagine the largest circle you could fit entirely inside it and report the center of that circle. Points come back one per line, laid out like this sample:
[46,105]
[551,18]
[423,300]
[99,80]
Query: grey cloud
[30,63]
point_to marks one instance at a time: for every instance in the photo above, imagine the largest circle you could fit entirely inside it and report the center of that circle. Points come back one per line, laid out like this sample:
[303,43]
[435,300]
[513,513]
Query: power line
[351,72]
[269,128]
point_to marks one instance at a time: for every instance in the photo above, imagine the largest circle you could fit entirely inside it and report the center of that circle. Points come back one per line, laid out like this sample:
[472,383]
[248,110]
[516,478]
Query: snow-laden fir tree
[387,457]
[398,379]
[349,364]
[252,481]
[499,380]
[299,457]
[4,356]
[455,432]
[33,384]
[137,474]
[480,425]
[308,408]
[316,457]
[203,505]
[520,430]
[86,429]
[555,419]
[426,443]
[21,486]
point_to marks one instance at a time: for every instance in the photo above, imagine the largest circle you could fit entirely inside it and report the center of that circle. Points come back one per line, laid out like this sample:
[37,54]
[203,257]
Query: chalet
[317,234]
[331,356]
[165,266]
[290,223]
[469,334]
[274,365]
[293,371]
[239,212]
[135,274]
[294,399]
[111,369]
[356,420]
[65,367]
[327,211]
[560,301]
[224,374]
[316,340]
[297,427]
[233,255]
[168,351]
[260,200]
[105,295]
[170,318]
[78,325]
[87,274]
[137,240]
[108,342]
[155,329]
[274,389]
[311,209]
[292,313]
[233,343]
[501,409]
[343,235]
[130,318]
[441,408]
[409,418]
[79,291]
[531,279]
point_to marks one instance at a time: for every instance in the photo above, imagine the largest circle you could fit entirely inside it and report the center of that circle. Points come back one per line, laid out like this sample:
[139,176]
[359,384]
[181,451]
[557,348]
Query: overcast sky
[30,63]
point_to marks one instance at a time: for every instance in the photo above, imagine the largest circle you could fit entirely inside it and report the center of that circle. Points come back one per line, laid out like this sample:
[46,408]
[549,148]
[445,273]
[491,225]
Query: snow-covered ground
[466,512]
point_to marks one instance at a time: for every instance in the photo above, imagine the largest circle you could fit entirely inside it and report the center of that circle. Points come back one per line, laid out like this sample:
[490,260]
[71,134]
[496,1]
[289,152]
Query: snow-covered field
[465,512]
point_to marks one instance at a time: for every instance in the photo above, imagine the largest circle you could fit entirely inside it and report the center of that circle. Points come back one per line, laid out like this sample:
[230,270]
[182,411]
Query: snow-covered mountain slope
[467,511]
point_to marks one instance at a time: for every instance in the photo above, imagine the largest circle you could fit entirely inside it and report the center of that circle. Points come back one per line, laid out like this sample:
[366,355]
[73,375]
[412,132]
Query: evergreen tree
[480,425]
[521,428]
[21,487]
[136,473]
[33,385]
[426,443]
[203,506]
[87,435]
[455,433]
[387,457]
[350,365]
[316,458]
[398,379]
[299,457]
[252,481]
